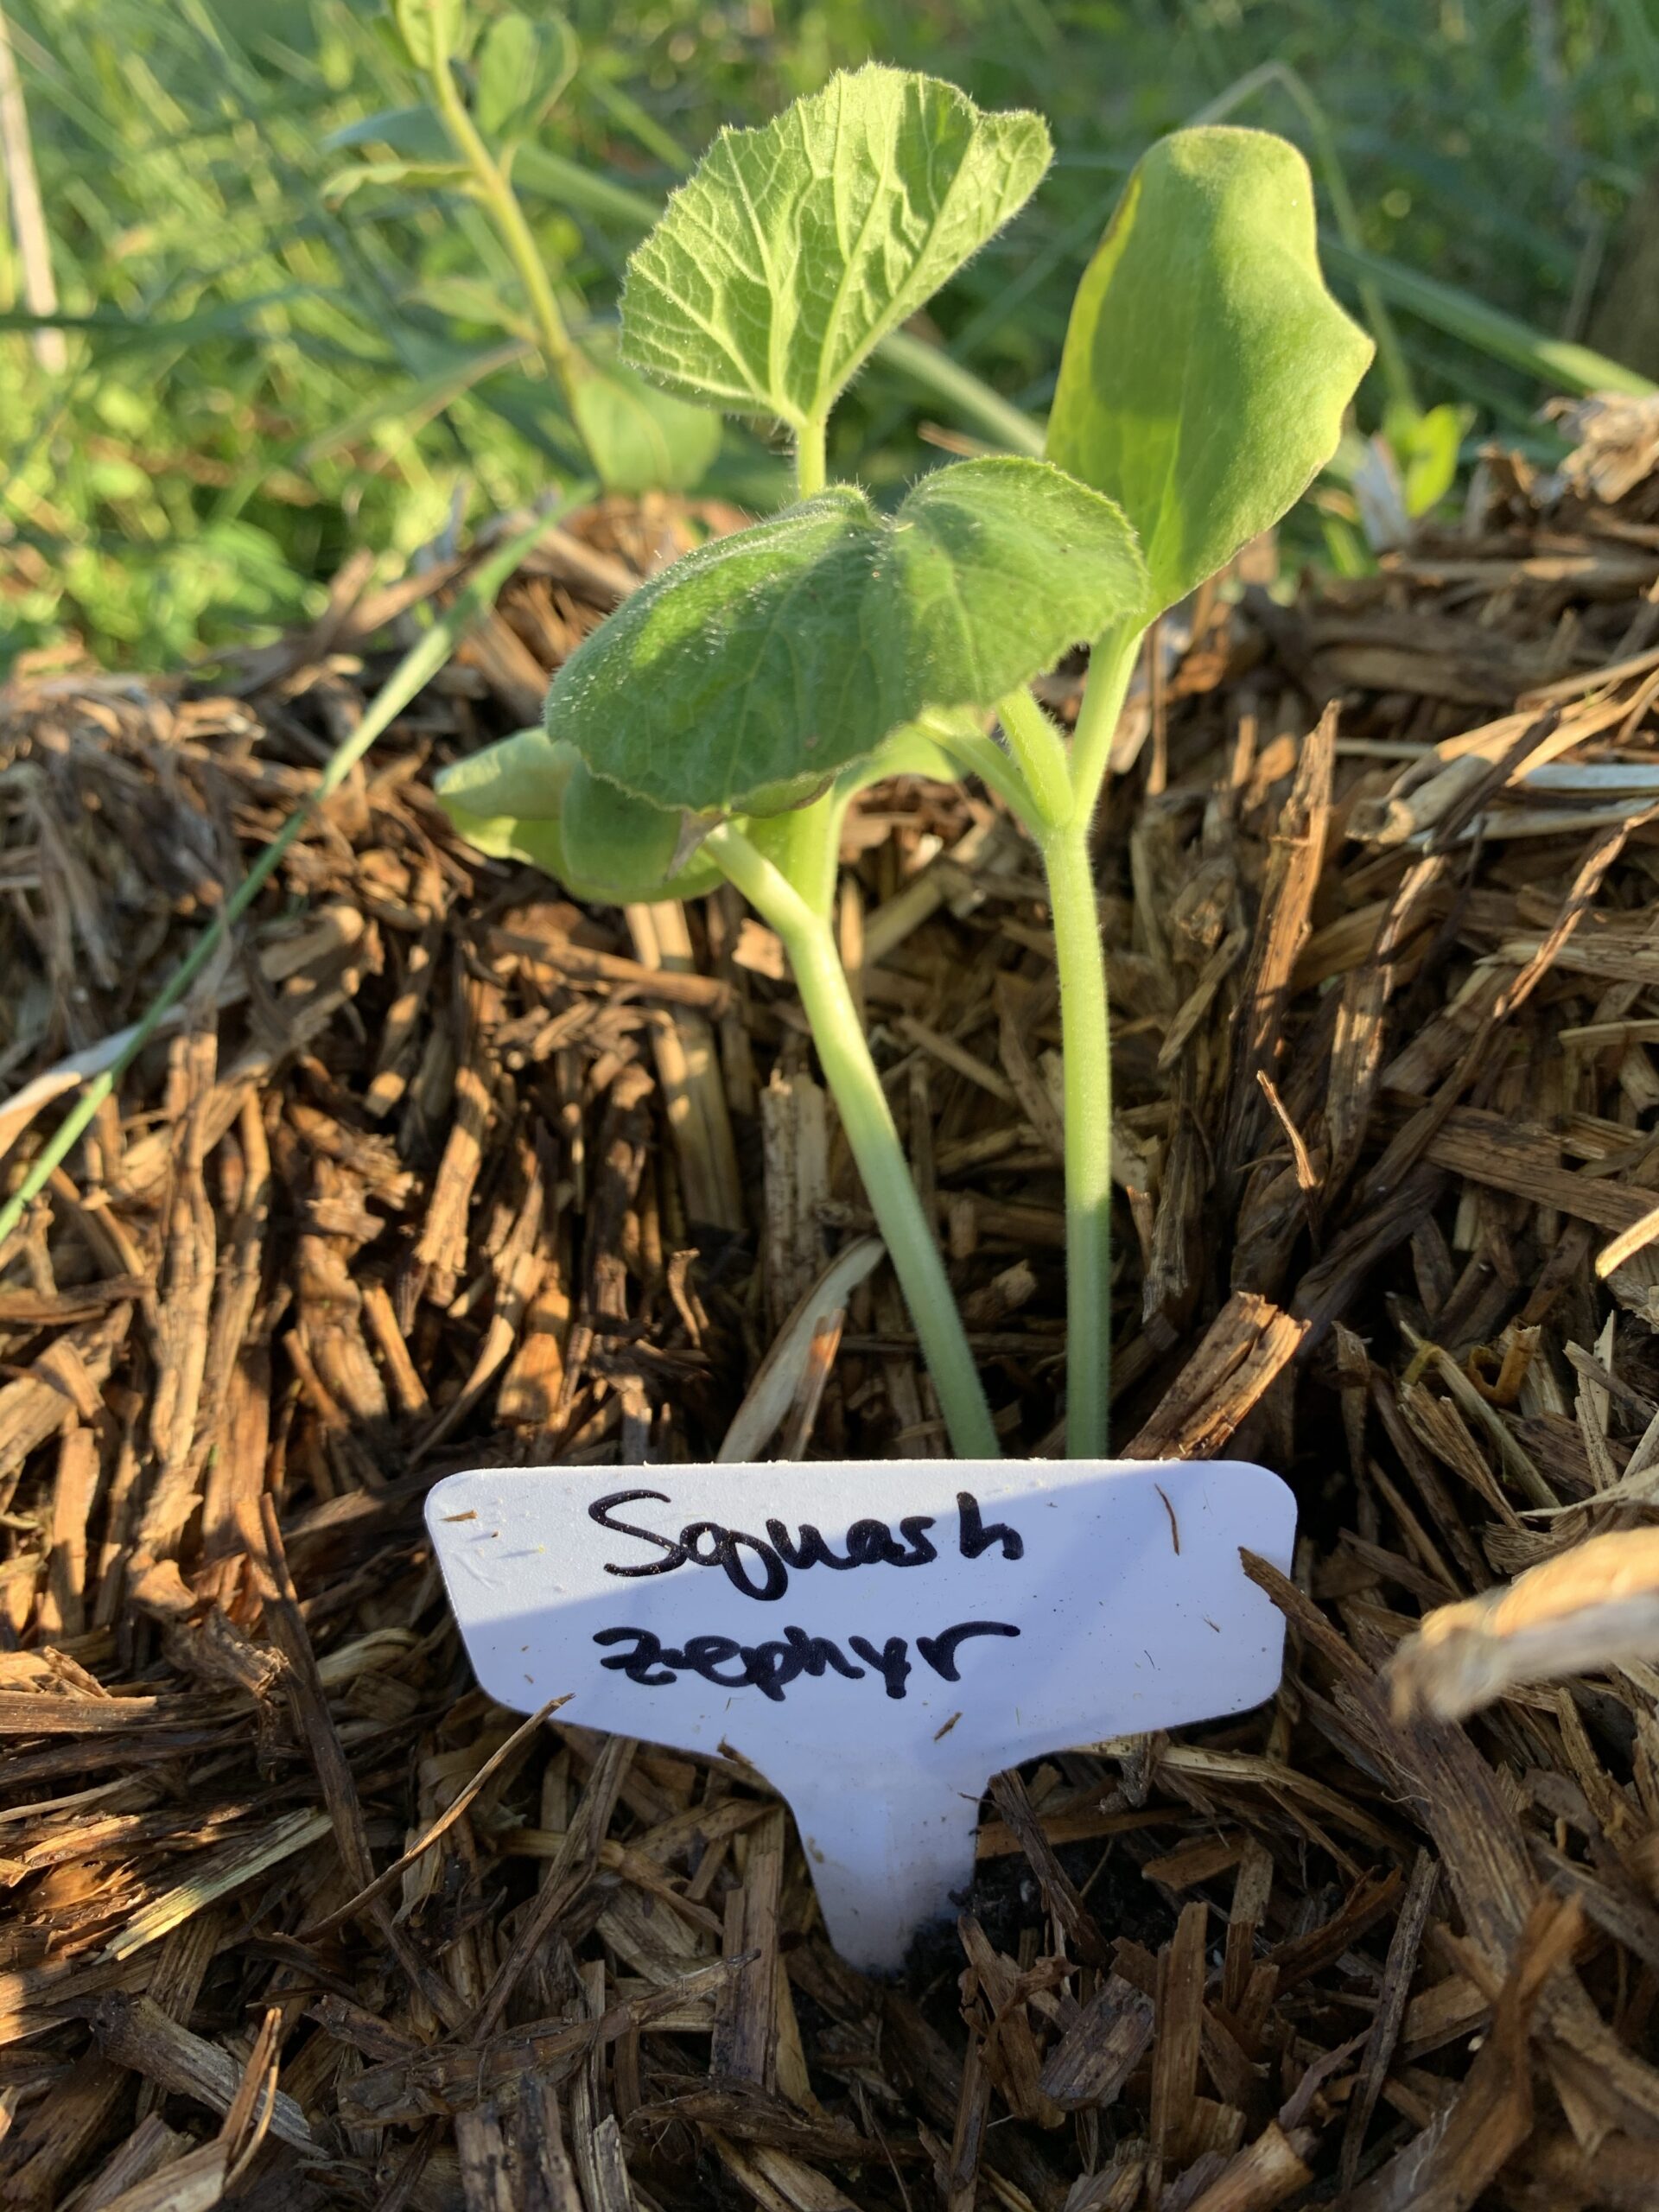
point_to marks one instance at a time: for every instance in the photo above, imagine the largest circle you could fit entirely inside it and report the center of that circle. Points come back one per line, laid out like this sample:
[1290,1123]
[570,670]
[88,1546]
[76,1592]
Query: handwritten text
[771,1667]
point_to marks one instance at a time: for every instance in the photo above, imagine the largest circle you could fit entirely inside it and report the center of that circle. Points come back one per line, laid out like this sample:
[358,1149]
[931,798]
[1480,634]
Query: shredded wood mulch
[436,1168]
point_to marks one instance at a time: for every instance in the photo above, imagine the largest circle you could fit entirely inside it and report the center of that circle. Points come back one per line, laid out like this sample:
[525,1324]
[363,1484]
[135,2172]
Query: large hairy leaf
[791,649]
[792,250]
[1206,367]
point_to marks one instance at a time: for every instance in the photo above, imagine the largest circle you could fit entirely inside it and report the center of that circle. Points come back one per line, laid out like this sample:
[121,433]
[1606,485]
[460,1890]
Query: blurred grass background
[259,374]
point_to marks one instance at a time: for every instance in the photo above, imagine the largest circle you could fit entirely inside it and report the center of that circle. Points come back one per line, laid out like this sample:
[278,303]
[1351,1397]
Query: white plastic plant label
[878,1638]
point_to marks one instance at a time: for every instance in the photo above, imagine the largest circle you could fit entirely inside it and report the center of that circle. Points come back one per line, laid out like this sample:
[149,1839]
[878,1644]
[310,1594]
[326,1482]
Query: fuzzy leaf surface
[790,250]
[1206,367]
[793,648]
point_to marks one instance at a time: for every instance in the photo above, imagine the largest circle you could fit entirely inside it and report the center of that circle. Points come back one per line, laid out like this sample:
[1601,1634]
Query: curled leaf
[792,649]
[793,249]
[1206,367]
[506,799]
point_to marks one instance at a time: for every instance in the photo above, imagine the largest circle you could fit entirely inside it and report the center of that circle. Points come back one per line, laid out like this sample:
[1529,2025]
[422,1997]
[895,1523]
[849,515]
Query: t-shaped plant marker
[727,713]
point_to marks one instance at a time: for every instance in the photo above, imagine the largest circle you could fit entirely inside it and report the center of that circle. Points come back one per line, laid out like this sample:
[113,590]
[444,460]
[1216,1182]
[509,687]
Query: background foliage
[263,373]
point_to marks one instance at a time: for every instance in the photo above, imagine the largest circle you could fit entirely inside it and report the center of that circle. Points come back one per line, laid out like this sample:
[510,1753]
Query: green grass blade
[584,191]
[1556,362]
[958,388]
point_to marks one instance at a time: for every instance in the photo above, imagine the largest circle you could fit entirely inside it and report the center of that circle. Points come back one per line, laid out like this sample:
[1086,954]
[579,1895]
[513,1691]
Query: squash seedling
[728,711]
[1204,376]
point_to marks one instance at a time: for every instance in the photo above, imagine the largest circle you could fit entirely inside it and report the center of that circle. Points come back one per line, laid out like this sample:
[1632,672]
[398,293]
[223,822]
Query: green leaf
[507,799]
[525,774]
[916,749]
[416,131]
[523,66]
[640,437]
[618,847]
[792,250]
[793,648]
[430,27]
[417,176]
[1426,448]
[528,799]
[1206,367]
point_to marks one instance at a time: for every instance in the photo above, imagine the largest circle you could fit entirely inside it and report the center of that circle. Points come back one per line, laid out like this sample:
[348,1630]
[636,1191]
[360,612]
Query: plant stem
[808,855]
[1087,1062]
[1111,663]
[810,461]
[1039,750]
[865,1114]
[1085,1019]
[564,358]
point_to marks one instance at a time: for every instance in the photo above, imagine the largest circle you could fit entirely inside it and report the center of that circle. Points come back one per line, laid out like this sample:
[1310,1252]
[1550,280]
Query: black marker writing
[771,1667]
[600,1510]
[940,1651]
[728,1546]
[725,1548]
[761,1565]
[647,1652]
[869,1544]
[890,1662]
[975,1537]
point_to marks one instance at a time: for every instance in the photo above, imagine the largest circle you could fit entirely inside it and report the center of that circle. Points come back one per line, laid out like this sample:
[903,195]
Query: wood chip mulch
[436,1169]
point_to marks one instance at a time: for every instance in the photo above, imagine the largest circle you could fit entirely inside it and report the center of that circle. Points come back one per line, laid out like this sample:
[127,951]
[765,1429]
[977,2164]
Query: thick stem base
[1088,1099]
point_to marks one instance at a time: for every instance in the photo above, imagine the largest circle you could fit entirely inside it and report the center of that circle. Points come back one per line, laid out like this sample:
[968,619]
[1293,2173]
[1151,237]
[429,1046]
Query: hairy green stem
[810,461]
[809,939]
[1087,1062]
[808,852]
[1040,751]
[976,755]
[1111,663]
[1066,790]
